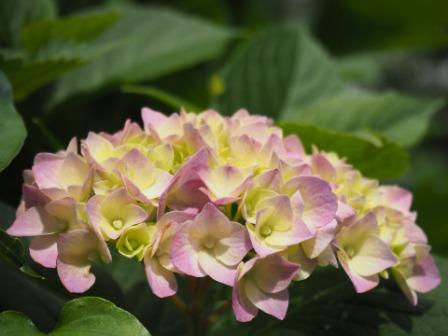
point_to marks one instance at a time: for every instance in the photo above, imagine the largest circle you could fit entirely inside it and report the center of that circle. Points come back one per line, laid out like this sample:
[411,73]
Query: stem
[215,314]
[179,303]
[198,288]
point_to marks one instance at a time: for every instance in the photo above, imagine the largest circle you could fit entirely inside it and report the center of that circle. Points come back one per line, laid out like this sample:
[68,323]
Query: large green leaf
[84,316]
[278,72]
[12,129]
[27,75]
[76,28]
[14,14]
[146,43]
[93,316]
[284,74]
[16,324]
[52,47]
[403,119]
[373,155]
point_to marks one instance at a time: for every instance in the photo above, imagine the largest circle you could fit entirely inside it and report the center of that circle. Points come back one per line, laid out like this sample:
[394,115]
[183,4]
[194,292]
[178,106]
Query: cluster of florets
[226,197]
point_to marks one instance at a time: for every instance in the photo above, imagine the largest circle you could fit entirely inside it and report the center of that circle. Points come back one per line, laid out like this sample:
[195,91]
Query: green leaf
[402,119]
[26,76]
[12,129]
[374,156]
[284,74]
[146,43]
[17,324]
[77,28]
[95,316]
[83,316]
[14,14]
[278,72]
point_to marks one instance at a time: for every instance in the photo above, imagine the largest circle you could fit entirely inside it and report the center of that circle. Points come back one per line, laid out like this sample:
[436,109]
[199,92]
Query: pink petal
[193,138]
[163,282]
[261,249]
[232,249]
[293,145]
[322,167]
[212,221]
[362,284]
[33,196]
[425,276]
[152,117]
[75,278]
[35,222]
[320,203]
[45,170]
[323,237]
[183,255]
[44,250]
[397,197]
[374,256]
[273,273]
[275,304]
[243,309]
[93,209]
[183,191]
[344,212]
[215,269]
[297,234]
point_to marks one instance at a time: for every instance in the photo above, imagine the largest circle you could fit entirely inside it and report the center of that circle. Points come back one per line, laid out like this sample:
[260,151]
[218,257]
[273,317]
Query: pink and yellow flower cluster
[230,198]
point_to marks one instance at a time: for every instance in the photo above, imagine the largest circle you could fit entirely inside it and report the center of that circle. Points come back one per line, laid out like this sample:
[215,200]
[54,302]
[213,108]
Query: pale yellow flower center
[350,251]
[209,243]
[266,230]
[117,224]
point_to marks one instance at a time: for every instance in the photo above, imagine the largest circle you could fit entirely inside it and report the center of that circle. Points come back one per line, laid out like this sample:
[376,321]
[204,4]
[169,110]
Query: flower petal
[215,269]
[275,304]
[425,276]
[163,282]
[323,237]
[319,202]
[183,255]
[44,250]
[273,273]
[75,278]
[373,257]
[35,222]
[243,309]
[230,250]
[362,284]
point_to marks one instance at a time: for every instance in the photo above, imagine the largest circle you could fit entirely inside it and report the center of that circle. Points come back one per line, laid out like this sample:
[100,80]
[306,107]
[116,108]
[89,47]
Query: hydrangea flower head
[229,198]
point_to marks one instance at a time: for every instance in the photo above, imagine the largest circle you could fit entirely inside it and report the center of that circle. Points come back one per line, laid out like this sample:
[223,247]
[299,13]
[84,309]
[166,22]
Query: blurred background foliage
[368,79]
